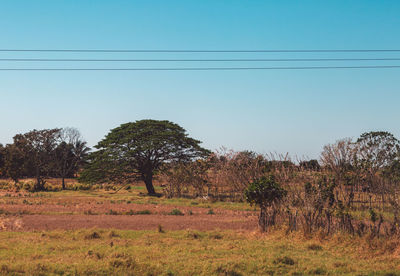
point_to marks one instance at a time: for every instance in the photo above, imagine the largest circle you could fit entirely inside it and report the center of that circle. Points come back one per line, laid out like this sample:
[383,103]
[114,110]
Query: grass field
[116,252]
[127,233]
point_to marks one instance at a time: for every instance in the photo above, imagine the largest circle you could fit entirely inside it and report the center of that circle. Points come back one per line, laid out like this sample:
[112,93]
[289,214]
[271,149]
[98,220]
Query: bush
[143,212]
[4,185]
[81,187]
[112,212]
[92,236]
[284,260]
[266,193]
[176,212]
[29,186]
[315,247]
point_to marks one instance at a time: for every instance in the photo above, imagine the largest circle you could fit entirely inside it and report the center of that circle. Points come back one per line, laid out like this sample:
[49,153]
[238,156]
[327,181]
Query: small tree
[376,151]
[266,193]
[69,154]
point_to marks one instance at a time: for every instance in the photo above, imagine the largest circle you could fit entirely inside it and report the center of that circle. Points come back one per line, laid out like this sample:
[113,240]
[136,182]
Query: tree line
[315,195]
[41,154]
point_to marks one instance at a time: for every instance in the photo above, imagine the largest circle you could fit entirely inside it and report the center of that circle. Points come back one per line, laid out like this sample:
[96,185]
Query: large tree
[137,150]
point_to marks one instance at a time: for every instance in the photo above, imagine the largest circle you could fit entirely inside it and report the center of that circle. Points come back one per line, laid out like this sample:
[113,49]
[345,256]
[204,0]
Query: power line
[200,51]
[194,60]
[202,68]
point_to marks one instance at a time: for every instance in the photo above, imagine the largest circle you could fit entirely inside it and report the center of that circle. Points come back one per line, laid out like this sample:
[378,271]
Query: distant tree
[377,150]
[339,157]
[70,153]
[266,193]
[137,150]
[14,160]
[310,165]
[2,160]
[37,148]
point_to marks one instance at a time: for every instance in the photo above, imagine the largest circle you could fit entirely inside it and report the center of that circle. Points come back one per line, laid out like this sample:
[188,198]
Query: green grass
[133,196]
[115,252]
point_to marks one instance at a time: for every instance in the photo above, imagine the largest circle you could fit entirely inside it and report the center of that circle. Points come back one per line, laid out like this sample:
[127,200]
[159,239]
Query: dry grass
[114,252]
[164,252]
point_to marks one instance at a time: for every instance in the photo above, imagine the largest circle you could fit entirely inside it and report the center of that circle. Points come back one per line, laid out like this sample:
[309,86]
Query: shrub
[176,212]
[143,212]
[112,212]
[266,193]
[81,187]
[315,247]
[285,260]
[92,236]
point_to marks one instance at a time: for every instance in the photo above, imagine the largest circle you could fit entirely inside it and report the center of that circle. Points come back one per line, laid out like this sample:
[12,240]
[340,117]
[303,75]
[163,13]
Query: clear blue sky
[282,111]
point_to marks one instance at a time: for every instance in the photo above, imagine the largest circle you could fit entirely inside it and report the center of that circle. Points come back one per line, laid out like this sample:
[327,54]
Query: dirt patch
[30,212]
[137,222]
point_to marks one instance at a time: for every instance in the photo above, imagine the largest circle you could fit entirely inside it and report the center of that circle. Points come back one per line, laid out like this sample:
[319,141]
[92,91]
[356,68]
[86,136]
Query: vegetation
[318,213]
[267,194]
[136,151]
[42,154]
[116,252]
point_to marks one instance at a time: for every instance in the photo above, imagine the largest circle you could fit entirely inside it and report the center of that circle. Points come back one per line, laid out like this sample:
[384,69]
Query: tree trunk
[148,180]
[39,182]
[262,219]
[63,183]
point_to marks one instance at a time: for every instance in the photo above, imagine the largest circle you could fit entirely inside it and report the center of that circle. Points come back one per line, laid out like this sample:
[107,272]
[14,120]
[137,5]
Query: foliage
[70,153]
[176,212]
[265,192]
[2,159]
[42,154]
[310,165]
[37,147]
[136,151]
[14,162]
[377,149]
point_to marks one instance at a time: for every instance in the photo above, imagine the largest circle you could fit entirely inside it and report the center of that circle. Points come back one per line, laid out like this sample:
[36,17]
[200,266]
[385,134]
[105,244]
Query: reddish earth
[26,212]
[22,217]
[136,222]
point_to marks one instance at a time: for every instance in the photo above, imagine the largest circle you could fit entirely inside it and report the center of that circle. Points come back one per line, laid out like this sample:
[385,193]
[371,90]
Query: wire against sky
[201,51]
[203,68]
[195,60]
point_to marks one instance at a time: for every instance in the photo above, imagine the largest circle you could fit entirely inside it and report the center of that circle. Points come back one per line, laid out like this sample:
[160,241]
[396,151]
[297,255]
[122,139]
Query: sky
[294,111]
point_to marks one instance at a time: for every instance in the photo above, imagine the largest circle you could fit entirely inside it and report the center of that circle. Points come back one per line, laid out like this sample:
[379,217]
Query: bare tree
[70,153]
[340,158]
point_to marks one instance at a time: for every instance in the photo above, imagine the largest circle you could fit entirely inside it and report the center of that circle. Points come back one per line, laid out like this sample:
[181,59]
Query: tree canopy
[42,154]
[377,149]
[137,150]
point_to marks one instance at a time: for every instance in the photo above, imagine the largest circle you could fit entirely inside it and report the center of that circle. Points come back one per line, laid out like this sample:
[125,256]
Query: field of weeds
[100,232]
[190,252]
